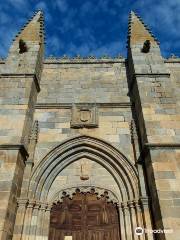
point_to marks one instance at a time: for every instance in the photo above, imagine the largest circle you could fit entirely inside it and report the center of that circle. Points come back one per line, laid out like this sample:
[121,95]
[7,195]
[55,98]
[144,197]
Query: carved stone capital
[144,201]
[37,205]
[130,204]
[137,204]
[31,204]
[44,206]
[49,207]
[124,206]
[22,202]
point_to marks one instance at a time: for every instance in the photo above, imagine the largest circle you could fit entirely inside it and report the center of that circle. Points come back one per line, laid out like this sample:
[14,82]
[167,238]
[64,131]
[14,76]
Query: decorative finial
[91,57]
[105,56]
[78,57]
[173,56]
[118,56]
[65,57]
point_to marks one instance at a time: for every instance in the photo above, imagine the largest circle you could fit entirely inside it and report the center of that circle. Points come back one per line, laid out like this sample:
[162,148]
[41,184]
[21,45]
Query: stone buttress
[19,87]
[151,89]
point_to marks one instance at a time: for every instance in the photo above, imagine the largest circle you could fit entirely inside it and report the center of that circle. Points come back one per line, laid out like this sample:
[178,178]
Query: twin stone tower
[111,124]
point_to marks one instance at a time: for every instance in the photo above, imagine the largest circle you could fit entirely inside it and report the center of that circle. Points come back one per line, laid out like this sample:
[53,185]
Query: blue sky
[92,27]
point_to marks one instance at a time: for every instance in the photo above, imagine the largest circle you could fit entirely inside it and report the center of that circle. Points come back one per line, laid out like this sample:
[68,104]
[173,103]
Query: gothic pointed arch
[122,170]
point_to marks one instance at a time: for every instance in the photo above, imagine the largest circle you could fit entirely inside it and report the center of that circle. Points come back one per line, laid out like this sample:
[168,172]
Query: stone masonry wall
[173,66]
[54,127]
[154,91]
[88,82]
[83,83]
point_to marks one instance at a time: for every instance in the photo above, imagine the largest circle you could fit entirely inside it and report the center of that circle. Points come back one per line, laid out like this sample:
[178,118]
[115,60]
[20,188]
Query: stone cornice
[23,75]
[70,105]
[153,146]
[172,60]
[86,60]
[161,145]
[83,60]
[151,74]
[78,61]
[19,147]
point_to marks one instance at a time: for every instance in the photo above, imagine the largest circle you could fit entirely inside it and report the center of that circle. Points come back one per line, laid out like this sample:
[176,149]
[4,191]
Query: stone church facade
[89,148]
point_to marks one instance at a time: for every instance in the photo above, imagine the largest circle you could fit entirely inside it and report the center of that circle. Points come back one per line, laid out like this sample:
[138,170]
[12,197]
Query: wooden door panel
[84,217]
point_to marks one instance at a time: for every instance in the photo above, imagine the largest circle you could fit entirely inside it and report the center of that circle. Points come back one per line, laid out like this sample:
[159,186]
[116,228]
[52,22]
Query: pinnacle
[138,31]
[33,30]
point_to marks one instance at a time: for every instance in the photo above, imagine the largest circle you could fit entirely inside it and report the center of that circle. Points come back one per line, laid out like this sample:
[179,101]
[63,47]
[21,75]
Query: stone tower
[152,89]
[20,77]
[89,147]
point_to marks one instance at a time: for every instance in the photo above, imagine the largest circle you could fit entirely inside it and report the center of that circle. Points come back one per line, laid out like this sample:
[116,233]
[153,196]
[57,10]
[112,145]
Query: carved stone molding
[130,204]
[162,145]
[34,132]
[70,105]
[32,203]
[22,202]
[89,59]
[19,147]
[144,201]
[91,148]
[85,115]
[85,189]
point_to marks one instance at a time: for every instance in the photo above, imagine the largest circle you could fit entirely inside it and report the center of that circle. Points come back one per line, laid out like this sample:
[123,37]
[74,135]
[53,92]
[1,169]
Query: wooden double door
[84,217]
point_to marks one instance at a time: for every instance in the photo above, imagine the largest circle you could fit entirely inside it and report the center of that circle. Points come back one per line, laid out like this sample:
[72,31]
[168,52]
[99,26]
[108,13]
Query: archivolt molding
[83,154]
[122,170]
